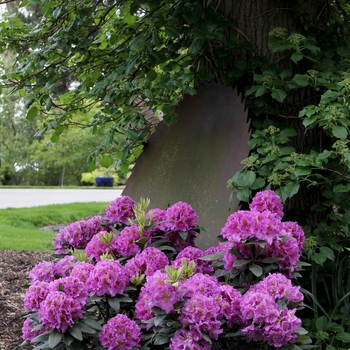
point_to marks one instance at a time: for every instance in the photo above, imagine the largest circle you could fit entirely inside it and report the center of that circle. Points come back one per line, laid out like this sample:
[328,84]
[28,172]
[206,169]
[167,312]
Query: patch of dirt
[14,272]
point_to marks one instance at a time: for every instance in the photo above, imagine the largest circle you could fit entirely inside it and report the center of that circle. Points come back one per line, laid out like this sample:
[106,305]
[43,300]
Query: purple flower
[59,310]
[292,229]
[194,254]
[72,287]
[120,210]
[184,339]
[243,225]
[35,294]
[27,330]
[42,271]
[200,284]
[156,292]
[263,318]
[267,200]
[97,246]
[120,333]
[181,217]
[82,271]
[284,331]
[126,241]
[279,286]
[64,266]
[200,314]
[159,217]
[148,262]
[230,303]
[108,277]
[78,234]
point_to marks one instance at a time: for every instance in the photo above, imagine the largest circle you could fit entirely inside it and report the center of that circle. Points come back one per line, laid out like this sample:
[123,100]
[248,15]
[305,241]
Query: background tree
[290,59]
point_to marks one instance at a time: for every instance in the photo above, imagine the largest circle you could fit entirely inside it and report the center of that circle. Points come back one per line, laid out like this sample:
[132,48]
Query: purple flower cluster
[57,302]
[194,254]
[59,310]
[184,339]
[120,333]
[30,331]
[42,271]
[156,292]
[201,306]
[108,277]
[267,201]
[64,266]
[120,210]
[126,242]
[77,234]
[148,262]
[263,318]
[284,240]
[98,246]
[181,217]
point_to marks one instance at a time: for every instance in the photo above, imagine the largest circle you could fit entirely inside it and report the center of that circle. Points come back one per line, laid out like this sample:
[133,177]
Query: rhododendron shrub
[135,280]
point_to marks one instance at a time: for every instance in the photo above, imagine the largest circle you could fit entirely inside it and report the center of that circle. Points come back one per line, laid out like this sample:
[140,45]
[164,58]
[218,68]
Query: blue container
[102,181]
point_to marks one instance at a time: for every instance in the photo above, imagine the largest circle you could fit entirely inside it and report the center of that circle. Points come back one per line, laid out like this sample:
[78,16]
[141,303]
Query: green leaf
[344,337]
[91,322]
[129,19]
[212,257]
[76,333]
[32,113]
[258,183]
[340,132]
[54,338]
[321,323]
[297,56]
[301,80]
[302,171]
[249,178]
[243,194]
[291,189]
[256,270]
[195,47]
[106,161]
[260,91]
[55,137]
[239,263]
[328,252]
[279,95]
[84,328]
[114,304]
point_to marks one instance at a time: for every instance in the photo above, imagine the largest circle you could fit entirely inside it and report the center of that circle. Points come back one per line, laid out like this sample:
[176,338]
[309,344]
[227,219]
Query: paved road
[23,197]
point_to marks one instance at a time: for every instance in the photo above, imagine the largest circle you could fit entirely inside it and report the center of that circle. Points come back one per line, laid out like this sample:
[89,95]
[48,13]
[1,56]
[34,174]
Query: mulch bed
[14,272]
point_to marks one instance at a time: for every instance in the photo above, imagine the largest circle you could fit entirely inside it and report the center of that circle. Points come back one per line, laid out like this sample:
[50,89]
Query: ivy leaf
[279,95]
[340,132]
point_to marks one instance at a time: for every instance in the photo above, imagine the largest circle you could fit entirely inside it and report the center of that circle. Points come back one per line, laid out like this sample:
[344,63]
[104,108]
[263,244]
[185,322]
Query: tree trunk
[253,21]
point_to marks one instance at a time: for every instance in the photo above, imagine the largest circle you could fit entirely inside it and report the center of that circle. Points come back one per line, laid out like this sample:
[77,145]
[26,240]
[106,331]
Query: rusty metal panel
[193,159]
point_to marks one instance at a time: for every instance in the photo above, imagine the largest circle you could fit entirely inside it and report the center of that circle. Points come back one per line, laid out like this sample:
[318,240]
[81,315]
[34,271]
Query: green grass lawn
[20,228]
